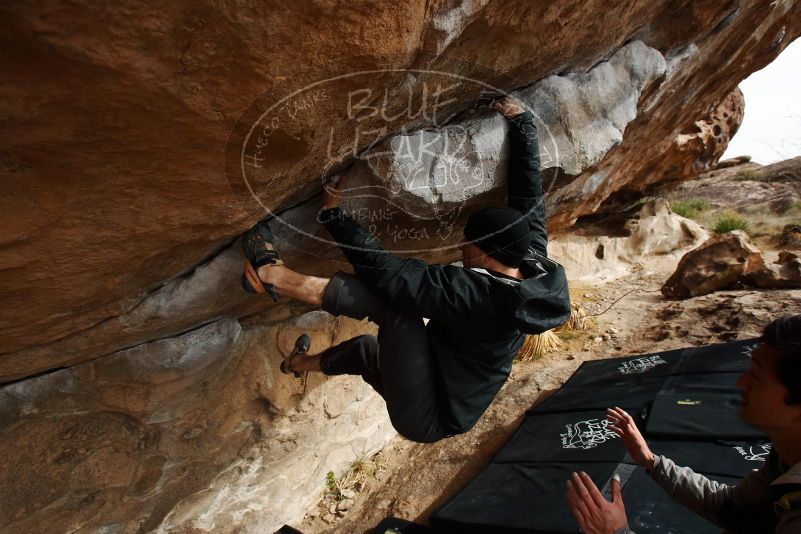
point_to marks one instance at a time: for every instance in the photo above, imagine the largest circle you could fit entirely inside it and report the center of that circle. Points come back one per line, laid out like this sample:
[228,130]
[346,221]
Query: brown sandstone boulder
[786,274]
[791,236]
[719,263]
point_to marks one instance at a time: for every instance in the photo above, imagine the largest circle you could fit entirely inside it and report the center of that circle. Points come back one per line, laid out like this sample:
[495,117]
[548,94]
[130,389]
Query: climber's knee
[417,431]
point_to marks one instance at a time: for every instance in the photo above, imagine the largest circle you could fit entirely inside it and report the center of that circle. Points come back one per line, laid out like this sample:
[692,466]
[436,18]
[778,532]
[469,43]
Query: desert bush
[729,223]
[536,345]
[360,471]
[747,175]
[331,481]
[689,207]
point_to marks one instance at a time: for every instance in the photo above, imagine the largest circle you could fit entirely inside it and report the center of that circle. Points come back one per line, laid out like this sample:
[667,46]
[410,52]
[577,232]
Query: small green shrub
[568,334]
[747,175]
[729,223]
[331,481]
[689,207]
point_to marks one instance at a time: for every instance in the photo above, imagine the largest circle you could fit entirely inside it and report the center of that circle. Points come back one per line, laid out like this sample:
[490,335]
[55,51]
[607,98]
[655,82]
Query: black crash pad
[515,498]
[719,458]
[720,358]
[564,437]
[700,406]
[634,394]
[698,416]
[522,489]
[393,525]
[649,509]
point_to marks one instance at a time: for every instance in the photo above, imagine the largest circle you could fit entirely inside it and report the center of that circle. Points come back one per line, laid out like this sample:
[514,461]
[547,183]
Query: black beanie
[503,233]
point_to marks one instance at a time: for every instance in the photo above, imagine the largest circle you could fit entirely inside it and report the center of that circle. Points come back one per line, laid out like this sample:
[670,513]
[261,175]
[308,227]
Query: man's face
[472,256]
[762,400]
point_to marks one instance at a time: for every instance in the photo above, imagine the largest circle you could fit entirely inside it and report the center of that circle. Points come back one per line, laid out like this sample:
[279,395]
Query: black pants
[398,363]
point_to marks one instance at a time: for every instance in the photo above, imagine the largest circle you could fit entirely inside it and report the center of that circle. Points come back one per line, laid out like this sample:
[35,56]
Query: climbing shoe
[257,245]
[302,345]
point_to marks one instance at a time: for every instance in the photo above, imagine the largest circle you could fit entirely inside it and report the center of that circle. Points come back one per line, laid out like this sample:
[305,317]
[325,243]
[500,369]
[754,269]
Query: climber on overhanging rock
[437,379]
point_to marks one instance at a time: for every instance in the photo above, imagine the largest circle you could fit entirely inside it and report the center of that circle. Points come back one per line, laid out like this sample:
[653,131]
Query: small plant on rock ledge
[746,175]
[331,481]
[341,491]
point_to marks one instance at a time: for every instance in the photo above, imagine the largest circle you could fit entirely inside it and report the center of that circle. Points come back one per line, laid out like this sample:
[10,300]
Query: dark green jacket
[477,318]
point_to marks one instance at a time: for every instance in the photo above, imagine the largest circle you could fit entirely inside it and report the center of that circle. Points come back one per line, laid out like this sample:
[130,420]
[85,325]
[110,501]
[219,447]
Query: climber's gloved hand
[509,107]
[332,192]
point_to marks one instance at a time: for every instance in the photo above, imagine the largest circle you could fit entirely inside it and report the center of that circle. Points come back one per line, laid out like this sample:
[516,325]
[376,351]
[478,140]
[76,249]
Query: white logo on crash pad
[640,365]
[587,434]
[754,453]
[748,349]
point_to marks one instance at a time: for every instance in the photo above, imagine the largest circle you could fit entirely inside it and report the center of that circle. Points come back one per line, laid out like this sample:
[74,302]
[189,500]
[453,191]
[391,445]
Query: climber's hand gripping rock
[509,107]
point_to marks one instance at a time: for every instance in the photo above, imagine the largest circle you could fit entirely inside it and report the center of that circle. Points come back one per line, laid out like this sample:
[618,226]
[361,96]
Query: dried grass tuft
[360,471]
[578,319]
[537,345]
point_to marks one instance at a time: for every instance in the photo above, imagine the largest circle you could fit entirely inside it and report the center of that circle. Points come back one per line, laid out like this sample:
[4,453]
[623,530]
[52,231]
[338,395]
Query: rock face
[775,187]
[136,151]
[131,210]
[118,443]
[653,230]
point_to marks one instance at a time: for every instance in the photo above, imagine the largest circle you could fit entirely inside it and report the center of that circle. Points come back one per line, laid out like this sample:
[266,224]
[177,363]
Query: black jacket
[477,319]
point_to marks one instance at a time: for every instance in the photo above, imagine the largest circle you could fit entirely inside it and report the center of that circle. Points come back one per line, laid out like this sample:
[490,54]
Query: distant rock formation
[775,187]
[719,263]
[726,261]
[651,230]
[732,162]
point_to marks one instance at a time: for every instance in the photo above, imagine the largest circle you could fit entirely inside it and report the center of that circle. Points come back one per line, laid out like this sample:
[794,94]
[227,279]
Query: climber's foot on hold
[257,244]
[302,345]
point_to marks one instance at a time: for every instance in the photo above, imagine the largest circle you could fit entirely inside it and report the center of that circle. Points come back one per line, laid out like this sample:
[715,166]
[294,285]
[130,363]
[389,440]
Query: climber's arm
[444,293]
[525,180]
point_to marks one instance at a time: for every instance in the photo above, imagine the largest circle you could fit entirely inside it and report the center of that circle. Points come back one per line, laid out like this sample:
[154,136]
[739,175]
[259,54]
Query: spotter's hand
[509,107]
[624,426]
[593,513]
